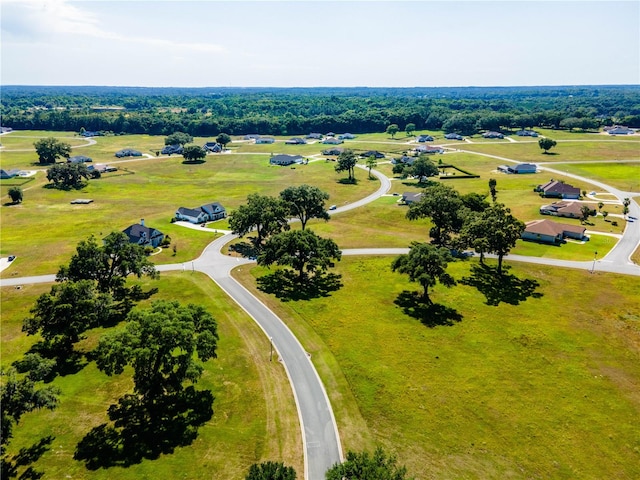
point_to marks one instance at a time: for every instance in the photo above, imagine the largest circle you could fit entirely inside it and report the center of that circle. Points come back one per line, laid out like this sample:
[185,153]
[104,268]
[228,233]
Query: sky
[169,43]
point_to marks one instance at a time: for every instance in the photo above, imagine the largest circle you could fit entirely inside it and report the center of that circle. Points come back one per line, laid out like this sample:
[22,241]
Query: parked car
[332,207]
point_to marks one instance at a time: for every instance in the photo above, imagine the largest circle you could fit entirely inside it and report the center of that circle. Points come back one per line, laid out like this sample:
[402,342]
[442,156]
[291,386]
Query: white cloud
[38,21]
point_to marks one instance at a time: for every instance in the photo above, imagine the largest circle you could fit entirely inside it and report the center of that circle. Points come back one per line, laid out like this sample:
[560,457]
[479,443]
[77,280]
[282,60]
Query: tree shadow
[285,285]
[26,457]
[67,361]
[193,162]
[348,181]
[245,249]
[145,429]
[505,288]
[432,315]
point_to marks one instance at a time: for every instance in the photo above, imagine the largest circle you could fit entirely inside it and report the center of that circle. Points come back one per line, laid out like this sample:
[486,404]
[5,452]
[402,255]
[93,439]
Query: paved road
[321,440]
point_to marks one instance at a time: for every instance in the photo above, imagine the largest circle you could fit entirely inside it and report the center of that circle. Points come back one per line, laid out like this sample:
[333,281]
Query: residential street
[322,447]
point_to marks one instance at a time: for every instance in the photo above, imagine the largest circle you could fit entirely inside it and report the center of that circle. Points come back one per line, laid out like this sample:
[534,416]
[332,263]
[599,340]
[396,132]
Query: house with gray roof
[204,213]
[5,174]
[284,159]
[144,236]
[411,197]
[520,168]
[264,140]
[453,136]
[555,188]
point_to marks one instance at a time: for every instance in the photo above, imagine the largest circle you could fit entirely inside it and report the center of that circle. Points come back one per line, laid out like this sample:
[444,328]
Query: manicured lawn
[625,176]
[572,250]
[255,417]
[544,389]
[595,150]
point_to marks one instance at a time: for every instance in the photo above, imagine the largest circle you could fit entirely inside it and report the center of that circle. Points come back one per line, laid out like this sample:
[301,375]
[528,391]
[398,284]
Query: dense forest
[296,111]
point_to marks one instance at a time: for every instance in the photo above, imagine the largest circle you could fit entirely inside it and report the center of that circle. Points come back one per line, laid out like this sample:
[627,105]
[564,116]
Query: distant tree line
[207,112]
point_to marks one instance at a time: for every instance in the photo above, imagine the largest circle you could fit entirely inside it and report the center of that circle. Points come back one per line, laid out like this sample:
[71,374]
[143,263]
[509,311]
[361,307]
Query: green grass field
[625,176]
[544,389]
[255,417]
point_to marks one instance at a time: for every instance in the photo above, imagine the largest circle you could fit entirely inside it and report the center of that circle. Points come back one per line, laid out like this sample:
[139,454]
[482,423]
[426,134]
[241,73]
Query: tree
[409,129]
[585,211]
[160,344]
[495,230]
[266,215]
[346,163]
[625,211]
[271,471]
[423,168]
[442,204]
[362,466]
[546,144]
[302,250]
[20,396]
[178,138]
[194,153]
[392,130]
[492,189]
[305,202]
[50,149]
[109,265]
[68,175]
[223,139]
[475,202]
[66,312]
[600,205]
[15,193]
[425,264]
[372,162]
[605,214]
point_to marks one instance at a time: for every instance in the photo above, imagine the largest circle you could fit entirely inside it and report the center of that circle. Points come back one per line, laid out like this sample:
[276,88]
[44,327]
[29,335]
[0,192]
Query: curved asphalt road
[320,436]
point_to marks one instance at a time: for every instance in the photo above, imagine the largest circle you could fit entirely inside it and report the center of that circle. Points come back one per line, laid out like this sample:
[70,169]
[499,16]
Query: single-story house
[9,173]
[406,160]
[492,134]
[204,213]
[411,197]
[88,133]
[428,149]
[565,209]
[424,138]
[6,129]
[332,141]
[519,168]
[295,141]
[79,159]
[128,152]
[372,153]
[548,231]
[251,136]
[171,149]
[619,130]
[333,151]
[142,235]
[453,136]
[330,134]
[526,133]
[315,136]
[265,140]
[284,160]
[555,188]
[346,136]
[214,147]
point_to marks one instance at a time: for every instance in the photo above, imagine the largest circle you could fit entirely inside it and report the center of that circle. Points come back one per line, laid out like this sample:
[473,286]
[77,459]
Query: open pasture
[625,176]
[44,229]
[255,417]
[543,389]
[564,151]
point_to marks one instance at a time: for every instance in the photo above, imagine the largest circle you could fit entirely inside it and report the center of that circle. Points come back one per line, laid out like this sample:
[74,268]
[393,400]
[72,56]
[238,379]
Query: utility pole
[271,346]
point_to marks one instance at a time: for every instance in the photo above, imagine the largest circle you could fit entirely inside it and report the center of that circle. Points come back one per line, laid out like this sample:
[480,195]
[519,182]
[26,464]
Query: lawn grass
[572,250]
[544,389]
[151,189]
[255,417]
[624,176]
[594,150]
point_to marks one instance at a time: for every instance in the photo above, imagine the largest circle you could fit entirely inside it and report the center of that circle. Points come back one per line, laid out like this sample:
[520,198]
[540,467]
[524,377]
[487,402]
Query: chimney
[142,222]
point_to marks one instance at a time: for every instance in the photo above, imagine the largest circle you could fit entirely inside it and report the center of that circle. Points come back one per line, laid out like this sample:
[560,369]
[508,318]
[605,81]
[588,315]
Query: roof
[549,227]
[557,186]
[191,212]
[412,196]
[283,157]
[137,231]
